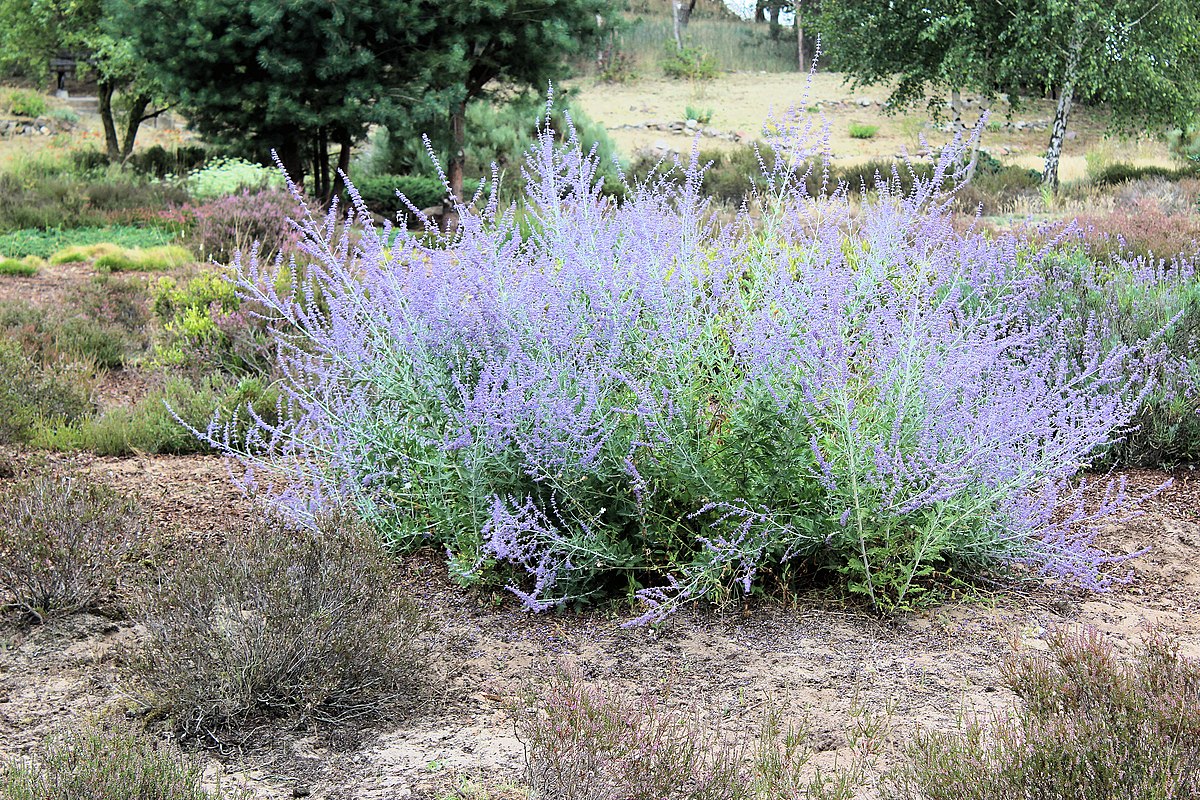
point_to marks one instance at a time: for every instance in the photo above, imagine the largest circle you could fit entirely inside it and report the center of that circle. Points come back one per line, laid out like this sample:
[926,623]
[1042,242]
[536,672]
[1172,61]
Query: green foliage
[701,115]
[227,176]
[45,243]
[1115,174]
[61,543]
[154,259]
[735,45]
[687,63]
[24,268]
[379,192]
[24,103]
[860,130]
[33,390]
[310,624]
[153,424]
[1089,725]
[497,132]
[927,52]
[107,761]
[205,328]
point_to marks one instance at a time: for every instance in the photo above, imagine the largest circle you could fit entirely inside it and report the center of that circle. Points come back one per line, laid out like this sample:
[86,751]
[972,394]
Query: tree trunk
[760,11]
[956,108]
[776,7]
[137,115]
[801,65]
[1062,112]
[458,158]
[112,145]
[681,14]
[343,165]
[291,155]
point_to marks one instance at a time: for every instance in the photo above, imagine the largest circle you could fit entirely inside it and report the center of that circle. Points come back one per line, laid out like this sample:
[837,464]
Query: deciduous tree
[1139,58]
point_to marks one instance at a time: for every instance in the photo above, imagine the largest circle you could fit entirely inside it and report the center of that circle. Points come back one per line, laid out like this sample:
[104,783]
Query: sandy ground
[818,660]
[742,102]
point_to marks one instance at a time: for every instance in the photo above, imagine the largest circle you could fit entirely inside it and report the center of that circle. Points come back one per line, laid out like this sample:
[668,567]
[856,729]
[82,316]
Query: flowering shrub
[628,397]
[218,228]
[1090,726]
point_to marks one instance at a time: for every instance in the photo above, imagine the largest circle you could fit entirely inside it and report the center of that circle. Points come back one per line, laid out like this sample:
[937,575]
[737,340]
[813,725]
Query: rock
[866,102]
[691,124]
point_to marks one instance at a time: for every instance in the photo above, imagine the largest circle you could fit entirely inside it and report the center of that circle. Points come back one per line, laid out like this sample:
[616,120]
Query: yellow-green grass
[22,268]
[110,258]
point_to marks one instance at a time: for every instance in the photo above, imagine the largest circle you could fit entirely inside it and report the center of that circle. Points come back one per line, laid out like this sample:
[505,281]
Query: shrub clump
[687,63]
[34,390]
[309,625]
[1088,726]
[628,397]
[61,544]
[220,177]
[586,743]
[221,227]
[163,421]
[108,761]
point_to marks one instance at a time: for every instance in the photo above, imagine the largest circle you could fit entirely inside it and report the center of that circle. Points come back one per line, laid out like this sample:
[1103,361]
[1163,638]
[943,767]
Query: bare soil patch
[819,660]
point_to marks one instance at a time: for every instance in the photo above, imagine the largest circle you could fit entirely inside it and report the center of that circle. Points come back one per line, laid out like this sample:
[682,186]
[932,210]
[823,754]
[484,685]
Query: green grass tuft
[154,259]
[861,131]
[23,269]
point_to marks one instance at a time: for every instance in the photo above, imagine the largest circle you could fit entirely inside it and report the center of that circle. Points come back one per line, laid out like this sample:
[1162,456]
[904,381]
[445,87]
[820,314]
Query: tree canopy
[299,75]
[34,31]
[1140,58]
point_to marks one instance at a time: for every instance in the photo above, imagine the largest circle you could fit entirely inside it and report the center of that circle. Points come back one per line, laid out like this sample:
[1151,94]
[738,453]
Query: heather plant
[156,422]
[61,541]
[309,625]
[628,397]
[107,760]
[50,338]
[236,222]
[583,742]
[206,326]
[1089,724]
[34,390]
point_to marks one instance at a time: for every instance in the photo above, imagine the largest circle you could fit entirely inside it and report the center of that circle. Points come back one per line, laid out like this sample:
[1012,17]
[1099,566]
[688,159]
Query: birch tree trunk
[956,108]
[1062,112]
